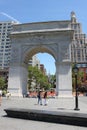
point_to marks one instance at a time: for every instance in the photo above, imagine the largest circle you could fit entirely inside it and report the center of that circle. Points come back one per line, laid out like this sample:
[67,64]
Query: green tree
[52,80]
[79,78]
[35,75]
[2,83]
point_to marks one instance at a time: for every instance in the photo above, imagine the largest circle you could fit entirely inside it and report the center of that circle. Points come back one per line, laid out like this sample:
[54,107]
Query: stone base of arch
[64,79]
[17,82]
[64,93]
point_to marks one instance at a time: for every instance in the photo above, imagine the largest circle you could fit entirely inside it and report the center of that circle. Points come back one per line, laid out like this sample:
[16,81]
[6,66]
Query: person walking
[8,95]
[0,97]
[39,98]
[45,98]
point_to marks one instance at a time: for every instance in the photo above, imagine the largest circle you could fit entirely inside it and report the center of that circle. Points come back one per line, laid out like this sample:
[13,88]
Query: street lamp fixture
[75,70]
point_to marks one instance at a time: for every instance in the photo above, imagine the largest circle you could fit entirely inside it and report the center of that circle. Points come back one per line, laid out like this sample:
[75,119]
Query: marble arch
[27,39]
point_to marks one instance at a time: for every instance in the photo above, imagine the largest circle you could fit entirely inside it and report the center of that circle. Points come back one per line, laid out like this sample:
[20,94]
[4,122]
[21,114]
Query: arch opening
[47,62]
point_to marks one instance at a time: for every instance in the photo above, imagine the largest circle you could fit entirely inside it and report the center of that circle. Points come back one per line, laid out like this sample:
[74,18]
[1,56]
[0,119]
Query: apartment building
[34,61]
[79,47]
[79,44]
[5,44]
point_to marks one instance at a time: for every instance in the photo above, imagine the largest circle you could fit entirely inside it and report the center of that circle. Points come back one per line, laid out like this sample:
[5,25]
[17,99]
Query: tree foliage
[2,83]
[35,75]
[52,80]
[80,75]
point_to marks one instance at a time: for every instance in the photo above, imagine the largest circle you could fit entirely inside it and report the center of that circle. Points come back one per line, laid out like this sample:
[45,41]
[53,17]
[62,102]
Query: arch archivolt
[29,51]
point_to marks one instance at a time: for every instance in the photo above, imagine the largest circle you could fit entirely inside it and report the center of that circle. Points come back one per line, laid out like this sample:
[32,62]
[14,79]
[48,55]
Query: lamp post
[75,69]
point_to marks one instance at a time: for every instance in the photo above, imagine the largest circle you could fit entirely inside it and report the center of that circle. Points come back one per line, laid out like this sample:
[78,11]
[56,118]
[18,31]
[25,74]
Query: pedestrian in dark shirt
[39,96]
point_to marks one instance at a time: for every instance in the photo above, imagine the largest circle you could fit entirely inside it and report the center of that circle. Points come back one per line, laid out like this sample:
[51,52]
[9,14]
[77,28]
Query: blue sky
[26,11]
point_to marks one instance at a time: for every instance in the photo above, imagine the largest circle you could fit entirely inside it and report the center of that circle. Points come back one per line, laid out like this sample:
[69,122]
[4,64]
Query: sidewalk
[54,104]
[60,104]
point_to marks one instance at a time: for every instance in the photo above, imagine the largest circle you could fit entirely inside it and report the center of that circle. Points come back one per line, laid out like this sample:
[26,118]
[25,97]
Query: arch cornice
[41,34]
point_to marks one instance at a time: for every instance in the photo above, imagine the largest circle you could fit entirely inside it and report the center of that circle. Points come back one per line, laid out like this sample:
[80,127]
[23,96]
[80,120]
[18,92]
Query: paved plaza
[54,104]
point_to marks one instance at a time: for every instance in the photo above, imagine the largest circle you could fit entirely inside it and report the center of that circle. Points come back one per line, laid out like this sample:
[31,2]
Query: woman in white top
[0,97]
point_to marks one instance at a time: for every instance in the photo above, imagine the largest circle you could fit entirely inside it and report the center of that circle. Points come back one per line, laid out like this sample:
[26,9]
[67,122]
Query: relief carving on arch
[15,55]
[31,39]
[50,48]
[64,52]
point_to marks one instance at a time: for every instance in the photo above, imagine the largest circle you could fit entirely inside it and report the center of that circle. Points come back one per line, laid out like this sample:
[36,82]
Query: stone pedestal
[64,80]
[17,82]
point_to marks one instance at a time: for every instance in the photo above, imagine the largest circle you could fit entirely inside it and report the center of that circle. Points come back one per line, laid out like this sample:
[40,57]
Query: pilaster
[63,79]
